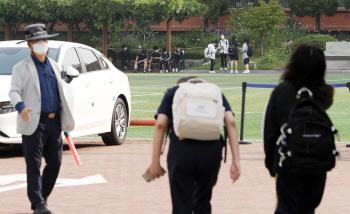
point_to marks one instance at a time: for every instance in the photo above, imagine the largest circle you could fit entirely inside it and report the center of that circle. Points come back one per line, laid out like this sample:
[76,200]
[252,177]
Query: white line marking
[145,111]
[61,182]
[141,95]
[139,102]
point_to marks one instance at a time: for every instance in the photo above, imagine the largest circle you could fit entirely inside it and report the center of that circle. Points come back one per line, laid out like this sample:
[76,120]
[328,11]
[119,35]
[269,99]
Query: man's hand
[235,170]
[25,114]
[155,170]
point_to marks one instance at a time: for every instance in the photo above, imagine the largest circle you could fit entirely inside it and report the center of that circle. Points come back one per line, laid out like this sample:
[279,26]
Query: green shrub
[318,40]
[270,57]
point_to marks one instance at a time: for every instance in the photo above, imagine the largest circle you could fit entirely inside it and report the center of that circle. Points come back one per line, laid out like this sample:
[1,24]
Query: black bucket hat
[36,31]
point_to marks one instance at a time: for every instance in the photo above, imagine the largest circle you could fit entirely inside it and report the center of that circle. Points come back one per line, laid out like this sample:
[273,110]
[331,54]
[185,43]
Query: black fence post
[244,89]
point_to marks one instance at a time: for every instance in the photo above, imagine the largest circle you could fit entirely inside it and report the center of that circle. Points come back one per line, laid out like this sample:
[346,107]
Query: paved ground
[127,193]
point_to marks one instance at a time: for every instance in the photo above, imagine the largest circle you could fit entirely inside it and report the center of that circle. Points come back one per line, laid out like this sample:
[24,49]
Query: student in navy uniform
[141,58]
[154,57]
[193,165]
[296,194]
[234,56]
[166,58]
[179,56]
[125,54]
[43,113]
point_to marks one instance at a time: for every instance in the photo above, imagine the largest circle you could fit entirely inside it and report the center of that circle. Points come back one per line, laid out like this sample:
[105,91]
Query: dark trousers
[125,62]
[45,142]
[212,64]
[193,170]
[223,60]
[166,62]
[177,60]
[299,194]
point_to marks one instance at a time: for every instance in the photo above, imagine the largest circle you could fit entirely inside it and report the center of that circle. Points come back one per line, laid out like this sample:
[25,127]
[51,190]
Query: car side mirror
[71,73]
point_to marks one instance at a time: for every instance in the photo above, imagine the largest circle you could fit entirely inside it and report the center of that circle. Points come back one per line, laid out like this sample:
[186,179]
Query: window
[71,59]
[104,65]
[90,60]
[10,56]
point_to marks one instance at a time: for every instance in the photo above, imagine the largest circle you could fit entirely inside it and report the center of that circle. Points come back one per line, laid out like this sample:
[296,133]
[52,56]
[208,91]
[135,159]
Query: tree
[104,14]
[17,12]
[314,8]
[346,3]
[72,12]
[216,8]
[263,19]
[146,13]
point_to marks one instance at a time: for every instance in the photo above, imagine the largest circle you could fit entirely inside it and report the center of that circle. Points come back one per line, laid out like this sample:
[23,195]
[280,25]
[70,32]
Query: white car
[99,97]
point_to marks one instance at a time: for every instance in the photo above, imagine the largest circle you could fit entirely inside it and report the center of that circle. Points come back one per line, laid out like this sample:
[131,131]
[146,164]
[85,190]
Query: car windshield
[11,56]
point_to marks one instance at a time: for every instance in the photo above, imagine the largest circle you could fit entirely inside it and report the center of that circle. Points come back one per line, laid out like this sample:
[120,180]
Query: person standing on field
[245,56]
[223,47]
[43,113]
[297,192]
[233,53]
[193,165]
[212,51]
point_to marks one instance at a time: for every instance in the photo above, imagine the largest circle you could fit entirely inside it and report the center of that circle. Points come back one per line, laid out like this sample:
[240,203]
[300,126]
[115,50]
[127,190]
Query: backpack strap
[225,143]
[165,138]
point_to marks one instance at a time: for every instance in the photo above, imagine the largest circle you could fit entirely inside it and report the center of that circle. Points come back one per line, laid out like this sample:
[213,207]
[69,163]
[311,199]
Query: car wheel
[119,125]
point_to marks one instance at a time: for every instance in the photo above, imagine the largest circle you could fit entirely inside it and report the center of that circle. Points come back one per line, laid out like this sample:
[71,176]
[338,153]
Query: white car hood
[5,84]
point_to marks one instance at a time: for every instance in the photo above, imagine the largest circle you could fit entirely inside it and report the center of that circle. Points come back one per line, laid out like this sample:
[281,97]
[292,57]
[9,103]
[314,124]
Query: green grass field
[147,91]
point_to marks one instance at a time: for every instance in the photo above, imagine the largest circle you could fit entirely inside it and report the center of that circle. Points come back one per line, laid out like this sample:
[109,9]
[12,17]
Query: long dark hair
[234,40]
[245,40]
[307,68]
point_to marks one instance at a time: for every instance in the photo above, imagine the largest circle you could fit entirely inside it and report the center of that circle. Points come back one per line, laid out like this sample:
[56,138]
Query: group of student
[194,161]
[157,55]
[230,49]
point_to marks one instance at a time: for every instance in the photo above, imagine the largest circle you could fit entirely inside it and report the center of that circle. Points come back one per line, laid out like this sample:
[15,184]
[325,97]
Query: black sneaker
[42,209]
[135,71]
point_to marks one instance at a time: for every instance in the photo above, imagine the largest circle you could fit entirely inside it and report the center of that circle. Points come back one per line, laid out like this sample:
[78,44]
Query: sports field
[147,91]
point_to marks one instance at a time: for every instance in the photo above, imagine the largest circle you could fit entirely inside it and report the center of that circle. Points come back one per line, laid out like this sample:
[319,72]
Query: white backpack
[206,53]
[198,111]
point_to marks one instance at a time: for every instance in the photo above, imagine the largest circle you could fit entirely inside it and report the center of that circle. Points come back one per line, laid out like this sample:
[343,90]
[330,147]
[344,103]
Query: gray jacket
[244,51]
[25,87]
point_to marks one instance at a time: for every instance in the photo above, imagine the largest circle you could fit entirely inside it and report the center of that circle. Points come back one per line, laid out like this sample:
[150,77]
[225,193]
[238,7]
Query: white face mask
[125,48]
[41,47]
[222,37]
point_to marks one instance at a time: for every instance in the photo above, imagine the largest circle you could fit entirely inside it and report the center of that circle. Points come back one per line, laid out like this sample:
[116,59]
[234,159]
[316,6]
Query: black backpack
[306,144]
[250,51]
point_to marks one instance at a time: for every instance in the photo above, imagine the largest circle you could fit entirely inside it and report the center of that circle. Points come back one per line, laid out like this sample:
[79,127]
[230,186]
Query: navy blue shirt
[50,98]
[166,108]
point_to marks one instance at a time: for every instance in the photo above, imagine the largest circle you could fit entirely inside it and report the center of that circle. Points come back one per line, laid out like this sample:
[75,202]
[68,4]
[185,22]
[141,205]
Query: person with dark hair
[212,51]
[296,193]
[111,55]
[155,57]
[245,56]
[125,54]
[141,58]
[223,47]
[193,165]
[179,55]
[166,58]
[233,53]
